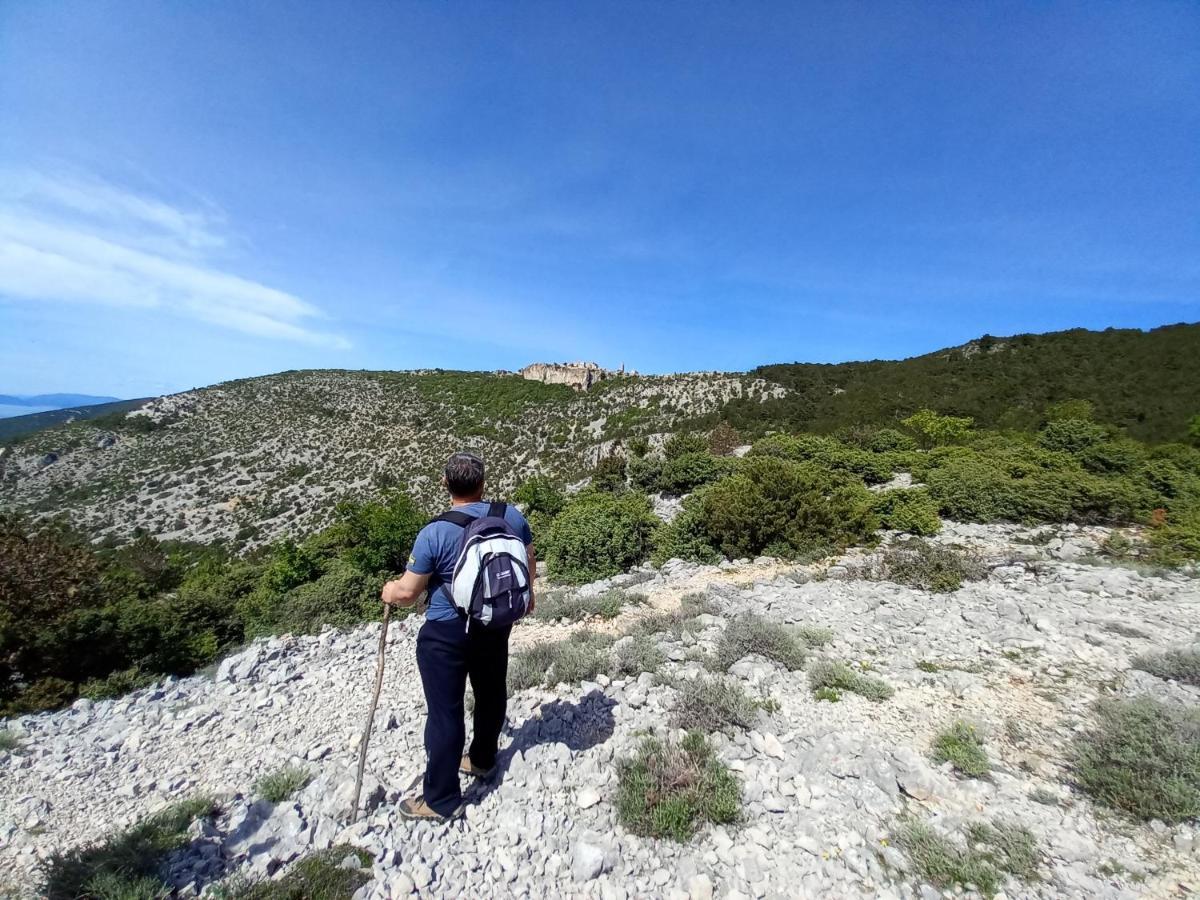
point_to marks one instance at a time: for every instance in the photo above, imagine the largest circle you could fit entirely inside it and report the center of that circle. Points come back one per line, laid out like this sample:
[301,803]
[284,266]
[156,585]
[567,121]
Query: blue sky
[191,192]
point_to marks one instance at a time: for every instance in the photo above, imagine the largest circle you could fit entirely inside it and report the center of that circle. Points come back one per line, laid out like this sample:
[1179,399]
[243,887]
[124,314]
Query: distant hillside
[54,401]
[249,460]
[15,427]
[1147,382]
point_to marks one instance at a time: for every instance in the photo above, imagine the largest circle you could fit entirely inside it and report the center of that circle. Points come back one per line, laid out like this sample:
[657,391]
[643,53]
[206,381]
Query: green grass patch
[962,747]
[669,790]
[1182,665]
[126,864]
[10,741]
[1143,757]
[750,634]
[992,852]
[833,675]
[283,783]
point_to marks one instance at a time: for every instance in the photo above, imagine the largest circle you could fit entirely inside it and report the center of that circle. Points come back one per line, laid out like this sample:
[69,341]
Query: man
[448,652]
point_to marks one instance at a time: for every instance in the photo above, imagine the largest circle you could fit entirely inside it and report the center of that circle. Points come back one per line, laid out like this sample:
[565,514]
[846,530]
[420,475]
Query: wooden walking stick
[362,750]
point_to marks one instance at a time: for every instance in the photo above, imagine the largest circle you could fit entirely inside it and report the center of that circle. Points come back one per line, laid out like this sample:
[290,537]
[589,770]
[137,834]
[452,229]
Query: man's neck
[459,501]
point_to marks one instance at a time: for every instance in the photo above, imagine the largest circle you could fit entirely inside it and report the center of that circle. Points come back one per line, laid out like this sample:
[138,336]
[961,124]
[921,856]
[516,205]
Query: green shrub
[750,634]
[683,474]
[125,864]
[887,440]
[775,503]
[684,537]
[282,784]
[609,474]
[1176,543]
[830,675]
[912,511]
[713,704]
[598,535]
[540,495]
[928,567]
[669,790]
[935,430]
[115,684]
[376,537]
[992,852]
[962,747]
[1071,435]
[1182,665]
[1142,757]
[318,876]
[684,442]
[342,596]
[10,741]
[644,472]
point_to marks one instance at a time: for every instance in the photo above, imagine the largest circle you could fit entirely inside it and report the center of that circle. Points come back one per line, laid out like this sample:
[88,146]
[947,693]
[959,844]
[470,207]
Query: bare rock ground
[1022,654]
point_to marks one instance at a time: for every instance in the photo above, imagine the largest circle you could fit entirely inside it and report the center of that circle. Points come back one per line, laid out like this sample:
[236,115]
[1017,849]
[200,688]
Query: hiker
[478,564]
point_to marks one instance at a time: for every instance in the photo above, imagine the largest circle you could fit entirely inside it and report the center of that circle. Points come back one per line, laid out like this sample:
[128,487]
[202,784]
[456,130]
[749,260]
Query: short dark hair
[464,474]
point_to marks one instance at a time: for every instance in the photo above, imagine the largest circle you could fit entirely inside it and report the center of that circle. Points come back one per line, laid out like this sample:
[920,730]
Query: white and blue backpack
[490,585]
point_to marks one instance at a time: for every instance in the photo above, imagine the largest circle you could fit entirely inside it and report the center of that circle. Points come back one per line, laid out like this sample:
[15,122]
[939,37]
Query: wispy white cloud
[66,239]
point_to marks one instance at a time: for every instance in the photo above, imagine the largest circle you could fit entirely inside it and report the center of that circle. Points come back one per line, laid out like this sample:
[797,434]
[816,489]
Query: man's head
[464,476]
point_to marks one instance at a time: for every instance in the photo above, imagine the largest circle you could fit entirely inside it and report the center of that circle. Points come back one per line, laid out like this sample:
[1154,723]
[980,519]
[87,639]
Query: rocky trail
[1022,654]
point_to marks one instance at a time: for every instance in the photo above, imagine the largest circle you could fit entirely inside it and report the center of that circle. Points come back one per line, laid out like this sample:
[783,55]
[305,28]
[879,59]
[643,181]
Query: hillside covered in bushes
[94,620]
[1143,382]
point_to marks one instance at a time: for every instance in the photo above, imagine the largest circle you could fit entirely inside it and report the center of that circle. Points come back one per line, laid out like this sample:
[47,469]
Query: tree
[936,430]
[724,439]
[1194,430]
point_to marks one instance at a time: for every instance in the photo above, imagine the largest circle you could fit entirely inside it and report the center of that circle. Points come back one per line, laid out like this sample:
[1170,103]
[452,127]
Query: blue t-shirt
[435,552]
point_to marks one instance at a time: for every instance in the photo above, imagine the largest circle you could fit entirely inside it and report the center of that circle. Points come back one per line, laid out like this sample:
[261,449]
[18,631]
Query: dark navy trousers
[447,655]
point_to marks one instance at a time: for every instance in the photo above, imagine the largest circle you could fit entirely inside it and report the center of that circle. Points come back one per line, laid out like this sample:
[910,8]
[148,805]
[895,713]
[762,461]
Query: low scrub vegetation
[927,567]
[910,510]
[989,854]
[670,790]
[125,864]
[97,622]
[1142,757]
[750,634]
[318,876]
[828,679]
[282,784]
[714,704]
[962,747]
[582,656]
[574,607]
[1182,665]
[635,654]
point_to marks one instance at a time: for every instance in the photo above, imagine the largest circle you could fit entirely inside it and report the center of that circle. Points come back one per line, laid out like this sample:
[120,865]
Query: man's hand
[404,590]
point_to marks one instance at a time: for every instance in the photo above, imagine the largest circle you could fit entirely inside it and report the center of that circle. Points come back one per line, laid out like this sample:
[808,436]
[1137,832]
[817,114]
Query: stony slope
[1023,654]
[255,459]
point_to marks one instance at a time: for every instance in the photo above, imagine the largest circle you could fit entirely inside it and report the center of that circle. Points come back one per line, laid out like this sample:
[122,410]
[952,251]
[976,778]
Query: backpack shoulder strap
[497,510]
[454,517]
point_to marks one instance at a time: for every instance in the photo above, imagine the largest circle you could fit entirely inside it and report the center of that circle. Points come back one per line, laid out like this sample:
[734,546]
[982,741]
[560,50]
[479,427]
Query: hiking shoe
[469,768]
[417,808]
